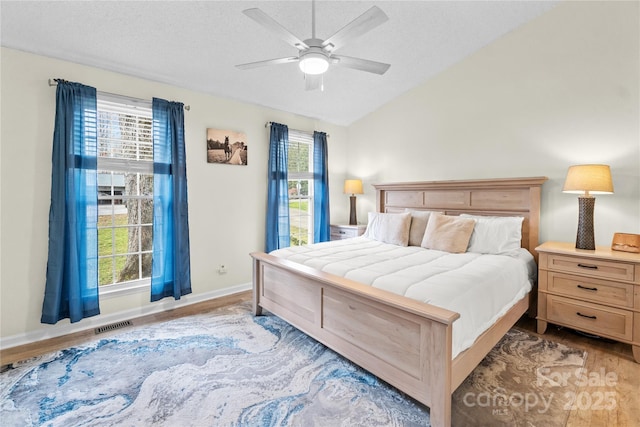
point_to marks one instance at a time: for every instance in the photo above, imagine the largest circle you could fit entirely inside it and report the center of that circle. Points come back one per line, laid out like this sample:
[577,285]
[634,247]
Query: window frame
[109,164]
[302,137]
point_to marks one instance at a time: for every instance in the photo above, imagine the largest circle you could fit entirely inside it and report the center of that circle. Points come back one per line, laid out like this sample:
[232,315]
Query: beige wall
[227,204]
[558,91]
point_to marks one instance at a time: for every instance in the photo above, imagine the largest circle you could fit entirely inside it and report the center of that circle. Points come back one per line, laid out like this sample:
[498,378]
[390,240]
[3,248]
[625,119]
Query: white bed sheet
[481,288]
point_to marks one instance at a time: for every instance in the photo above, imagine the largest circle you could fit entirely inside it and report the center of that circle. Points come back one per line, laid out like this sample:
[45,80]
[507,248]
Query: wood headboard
[495,197]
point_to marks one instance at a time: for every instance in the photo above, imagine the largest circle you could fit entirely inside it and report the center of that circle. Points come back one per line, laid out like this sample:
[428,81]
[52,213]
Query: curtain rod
[52,82]
[269,124]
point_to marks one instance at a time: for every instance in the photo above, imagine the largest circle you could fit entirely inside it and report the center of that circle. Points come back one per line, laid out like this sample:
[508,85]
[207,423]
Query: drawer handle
[342,232]
[592,267]
[586,288]
[586,315]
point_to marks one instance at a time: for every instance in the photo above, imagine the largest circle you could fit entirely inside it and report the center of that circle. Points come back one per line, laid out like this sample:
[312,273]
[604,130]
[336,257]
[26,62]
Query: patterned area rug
[524,381]
[228,368]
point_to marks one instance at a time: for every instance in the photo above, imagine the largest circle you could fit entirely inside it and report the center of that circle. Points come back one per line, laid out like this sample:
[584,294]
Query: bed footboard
[403,342]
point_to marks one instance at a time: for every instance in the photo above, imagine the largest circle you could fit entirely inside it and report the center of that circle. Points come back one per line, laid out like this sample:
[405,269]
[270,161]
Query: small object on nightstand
[596,291]
[626,242]
[343,231]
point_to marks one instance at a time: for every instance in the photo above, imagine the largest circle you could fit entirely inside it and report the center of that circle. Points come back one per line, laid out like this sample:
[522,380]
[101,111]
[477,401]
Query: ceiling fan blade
[361,64]
[363,23]
[250,65]
[313,81]
[270,24]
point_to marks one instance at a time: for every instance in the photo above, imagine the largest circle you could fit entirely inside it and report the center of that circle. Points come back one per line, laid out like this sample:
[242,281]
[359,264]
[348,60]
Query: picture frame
[226,147]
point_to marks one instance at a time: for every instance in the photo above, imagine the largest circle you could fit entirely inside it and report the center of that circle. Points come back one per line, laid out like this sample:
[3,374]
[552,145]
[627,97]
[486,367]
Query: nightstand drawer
[606,321]
[342,233]
[592,267]
[590,289]
[339,232]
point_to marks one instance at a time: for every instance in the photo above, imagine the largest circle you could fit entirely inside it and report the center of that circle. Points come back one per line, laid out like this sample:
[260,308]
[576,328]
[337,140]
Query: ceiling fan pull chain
[313,19]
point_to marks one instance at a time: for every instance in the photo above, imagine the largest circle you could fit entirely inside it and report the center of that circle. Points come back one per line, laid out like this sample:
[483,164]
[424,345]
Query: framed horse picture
[226,146]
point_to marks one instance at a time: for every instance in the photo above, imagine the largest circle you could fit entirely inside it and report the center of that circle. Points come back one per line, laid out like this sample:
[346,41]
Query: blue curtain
[171,271]
[71,289]
[278,235]
[321,226]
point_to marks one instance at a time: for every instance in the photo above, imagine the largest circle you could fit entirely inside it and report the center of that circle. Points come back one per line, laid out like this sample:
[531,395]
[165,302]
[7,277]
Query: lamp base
[585,237]
[352,213]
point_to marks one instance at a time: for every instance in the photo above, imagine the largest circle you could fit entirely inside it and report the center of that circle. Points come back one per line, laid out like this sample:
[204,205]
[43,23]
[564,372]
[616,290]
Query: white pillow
[419,220]
[496,235]
[389,227]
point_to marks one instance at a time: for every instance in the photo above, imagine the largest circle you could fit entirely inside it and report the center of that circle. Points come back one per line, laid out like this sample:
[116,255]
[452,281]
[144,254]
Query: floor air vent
[112,327]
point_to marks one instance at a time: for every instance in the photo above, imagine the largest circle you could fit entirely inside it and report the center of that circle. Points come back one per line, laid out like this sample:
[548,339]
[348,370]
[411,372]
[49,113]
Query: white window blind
[125,136]
[300,154]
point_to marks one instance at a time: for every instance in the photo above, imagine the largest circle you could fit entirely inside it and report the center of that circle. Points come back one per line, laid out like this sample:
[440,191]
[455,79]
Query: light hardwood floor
[603,356]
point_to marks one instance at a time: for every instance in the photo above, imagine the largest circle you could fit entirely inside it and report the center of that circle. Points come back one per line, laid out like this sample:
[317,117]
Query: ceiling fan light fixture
[315,55]
[314,63]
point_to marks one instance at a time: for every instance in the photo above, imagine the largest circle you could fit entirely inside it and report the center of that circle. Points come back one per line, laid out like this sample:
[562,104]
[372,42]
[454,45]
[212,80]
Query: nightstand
[339,232]
[595,291]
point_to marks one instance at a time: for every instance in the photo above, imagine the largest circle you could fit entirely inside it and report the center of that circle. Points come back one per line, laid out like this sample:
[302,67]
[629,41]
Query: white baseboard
[94,322]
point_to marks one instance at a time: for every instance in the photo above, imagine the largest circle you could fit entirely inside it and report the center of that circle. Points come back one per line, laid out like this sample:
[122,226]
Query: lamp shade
[352,186]
[588,179]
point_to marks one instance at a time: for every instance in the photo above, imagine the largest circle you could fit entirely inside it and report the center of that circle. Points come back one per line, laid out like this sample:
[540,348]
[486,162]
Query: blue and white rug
[224,368]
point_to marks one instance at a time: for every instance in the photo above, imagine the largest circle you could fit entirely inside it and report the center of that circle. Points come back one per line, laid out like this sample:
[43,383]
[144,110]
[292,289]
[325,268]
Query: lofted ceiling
[196,45]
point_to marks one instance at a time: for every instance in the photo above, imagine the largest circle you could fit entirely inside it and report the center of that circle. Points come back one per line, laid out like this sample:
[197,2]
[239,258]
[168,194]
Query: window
[300,180]
[125,192]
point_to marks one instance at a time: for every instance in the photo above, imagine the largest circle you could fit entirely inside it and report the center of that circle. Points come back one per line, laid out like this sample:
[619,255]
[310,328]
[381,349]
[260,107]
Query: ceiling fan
[316,55]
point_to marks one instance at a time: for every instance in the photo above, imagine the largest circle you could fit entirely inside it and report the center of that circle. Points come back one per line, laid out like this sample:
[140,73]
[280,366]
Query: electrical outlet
[222,269]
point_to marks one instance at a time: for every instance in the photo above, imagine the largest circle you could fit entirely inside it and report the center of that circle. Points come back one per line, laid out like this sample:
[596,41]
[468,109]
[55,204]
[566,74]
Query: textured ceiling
[195,44]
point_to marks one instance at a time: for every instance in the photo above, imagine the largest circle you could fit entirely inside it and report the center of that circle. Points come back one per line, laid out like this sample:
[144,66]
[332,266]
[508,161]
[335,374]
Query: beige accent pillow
[448,233]
[389,227]
[419,221]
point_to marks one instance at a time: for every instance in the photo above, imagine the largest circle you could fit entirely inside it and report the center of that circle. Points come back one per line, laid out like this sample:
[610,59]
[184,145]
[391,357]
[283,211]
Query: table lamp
[587,180]
[353,187]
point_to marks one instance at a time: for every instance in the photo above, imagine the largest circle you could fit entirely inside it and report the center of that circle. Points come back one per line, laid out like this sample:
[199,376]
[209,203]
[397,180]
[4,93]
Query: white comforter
[479,287]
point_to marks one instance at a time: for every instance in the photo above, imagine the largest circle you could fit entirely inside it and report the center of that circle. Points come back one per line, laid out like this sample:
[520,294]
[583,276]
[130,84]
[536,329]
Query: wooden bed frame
[402,341]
